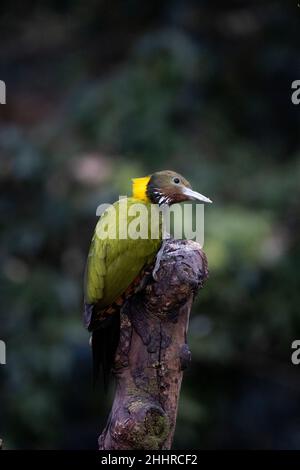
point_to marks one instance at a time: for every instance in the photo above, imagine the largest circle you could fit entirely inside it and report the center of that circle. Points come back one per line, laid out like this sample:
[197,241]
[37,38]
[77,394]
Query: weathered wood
[153,352]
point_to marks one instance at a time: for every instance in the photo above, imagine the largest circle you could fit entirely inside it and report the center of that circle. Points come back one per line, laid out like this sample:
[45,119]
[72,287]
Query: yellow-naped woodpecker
[116,264]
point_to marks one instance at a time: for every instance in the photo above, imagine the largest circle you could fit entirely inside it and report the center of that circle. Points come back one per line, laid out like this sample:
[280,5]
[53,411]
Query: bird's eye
[176,180]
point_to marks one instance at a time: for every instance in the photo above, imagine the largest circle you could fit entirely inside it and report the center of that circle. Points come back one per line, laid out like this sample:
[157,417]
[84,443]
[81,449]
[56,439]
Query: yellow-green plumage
[113,264]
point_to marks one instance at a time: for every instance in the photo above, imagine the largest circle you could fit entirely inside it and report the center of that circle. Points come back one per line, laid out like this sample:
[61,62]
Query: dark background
[99,92]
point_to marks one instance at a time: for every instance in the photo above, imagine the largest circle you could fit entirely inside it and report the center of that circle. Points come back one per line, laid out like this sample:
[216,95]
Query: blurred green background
[99,92]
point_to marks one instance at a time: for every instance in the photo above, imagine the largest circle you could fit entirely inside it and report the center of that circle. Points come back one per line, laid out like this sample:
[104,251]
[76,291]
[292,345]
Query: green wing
[95,270]
[113,263]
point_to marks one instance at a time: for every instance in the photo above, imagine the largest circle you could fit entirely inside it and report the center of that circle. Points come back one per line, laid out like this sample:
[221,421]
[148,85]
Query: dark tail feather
[105,340]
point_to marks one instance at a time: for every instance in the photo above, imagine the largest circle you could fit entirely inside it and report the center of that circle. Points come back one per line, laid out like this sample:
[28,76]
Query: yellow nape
[139,188]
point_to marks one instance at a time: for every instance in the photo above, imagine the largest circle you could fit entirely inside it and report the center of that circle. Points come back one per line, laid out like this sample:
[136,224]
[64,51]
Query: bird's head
[165,187]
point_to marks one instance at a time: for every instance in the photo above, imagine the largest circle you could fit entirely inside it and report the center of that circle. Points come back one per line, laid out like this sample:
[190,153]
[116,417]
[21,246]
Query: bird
[116,265]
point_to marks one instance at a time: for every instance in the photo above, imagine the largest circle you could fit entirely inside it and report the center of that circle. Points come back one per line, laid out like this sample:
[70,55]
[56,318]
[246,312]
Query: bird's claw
[154,274]
[158,261]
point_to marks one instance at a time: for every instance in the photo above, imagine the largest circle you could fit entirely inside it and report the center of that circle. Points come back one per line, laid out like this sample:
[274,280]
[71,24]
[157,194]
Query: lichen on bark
[153,352]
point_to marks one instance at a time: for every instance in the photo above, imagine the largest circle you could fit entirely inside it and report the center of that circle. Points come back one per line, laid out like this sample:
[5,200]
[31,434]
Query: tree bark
[153,352]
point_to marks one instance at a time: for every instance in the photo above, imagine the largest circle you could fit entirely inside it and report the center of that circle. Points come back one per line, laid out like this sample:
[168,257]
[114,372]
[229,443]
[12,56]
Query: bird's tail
[105,340]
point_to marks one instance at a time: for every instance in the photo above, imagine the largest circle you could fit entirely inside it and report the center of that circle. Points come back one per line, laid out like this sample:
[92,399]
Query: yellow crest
[139,188]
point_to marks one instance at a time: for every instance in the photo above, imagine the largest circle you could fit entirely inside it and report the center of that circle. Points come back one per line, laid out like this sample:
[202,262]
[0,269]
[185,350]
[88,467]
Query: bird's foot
[158,260]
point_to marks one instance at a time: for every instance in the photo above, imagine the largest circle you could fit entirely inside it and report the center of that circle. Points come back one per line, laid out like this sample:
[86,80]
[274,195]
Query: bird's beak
[194,196]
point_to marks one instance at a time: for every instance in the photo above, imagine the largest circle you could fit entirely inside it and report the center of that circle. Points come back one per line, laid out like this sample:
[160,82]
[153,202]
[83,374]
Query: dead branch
[153,352]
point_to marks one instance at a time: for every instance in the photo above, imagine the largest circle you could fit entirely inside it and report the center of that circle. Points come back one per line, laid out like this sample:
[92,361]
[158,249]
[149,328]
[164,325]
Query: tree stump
[153,352]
